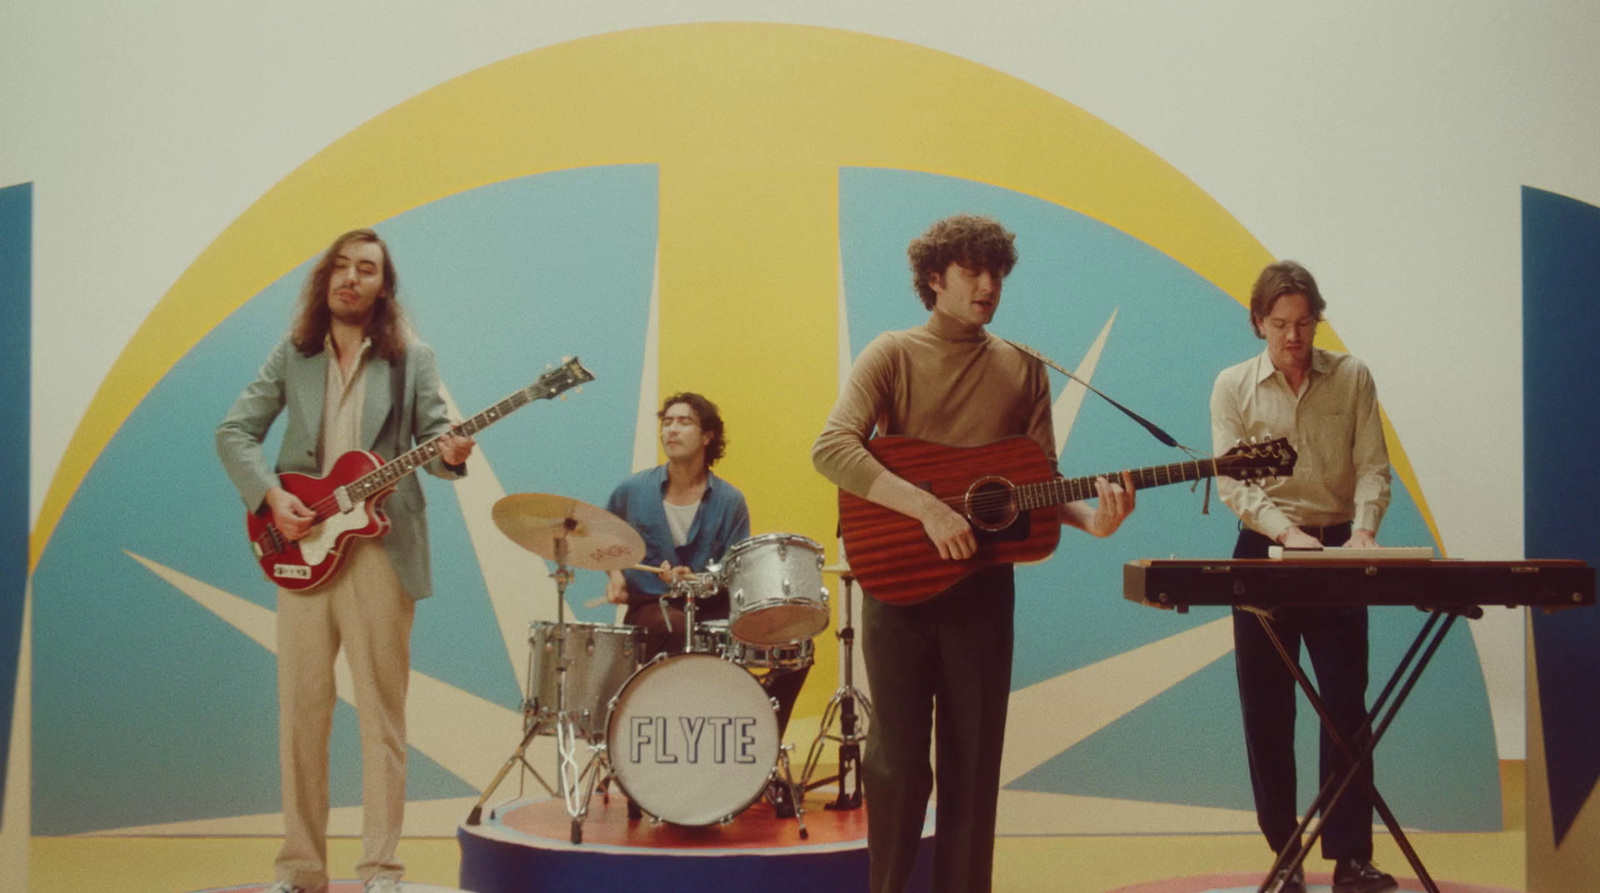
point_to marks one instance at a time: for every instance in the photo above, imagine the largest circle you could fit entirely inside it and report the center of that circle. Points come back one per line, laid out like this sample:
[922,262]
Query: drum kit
[691,738]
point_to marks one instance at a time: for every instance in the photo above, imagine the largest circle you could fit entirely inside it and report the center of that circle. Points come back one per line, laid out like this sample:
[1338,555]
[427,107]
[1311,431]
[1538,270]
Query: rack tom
[775,591]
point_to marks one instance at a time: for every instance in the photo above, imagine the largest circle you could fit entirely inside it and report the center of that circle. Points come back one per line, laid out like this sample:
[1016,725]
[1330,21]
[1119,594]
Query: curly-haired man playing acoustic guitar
[951,382]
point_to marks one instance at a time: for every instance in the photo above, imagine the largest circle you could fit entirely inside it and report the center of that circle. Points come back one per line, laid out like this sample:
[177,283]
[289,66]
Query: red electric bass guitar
[348,501]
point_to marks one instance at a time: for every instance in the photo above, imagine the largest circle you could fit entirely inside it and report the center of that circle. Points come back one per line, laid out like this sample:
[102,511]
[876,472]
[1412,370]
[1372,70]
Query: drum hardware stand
[794,788]
[576,785]
[692,588]
[852,726]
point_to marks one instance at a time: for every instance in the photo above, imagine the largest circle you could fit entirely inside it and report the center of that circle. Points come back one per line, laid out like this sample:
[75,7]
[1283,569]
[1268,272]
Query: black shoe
[1361,876]
[1295,882]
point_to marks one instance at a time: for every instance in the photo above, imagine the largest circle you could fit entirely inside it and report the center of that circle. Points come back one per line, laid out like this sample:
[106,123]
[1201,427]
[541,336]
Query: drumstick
[597,602]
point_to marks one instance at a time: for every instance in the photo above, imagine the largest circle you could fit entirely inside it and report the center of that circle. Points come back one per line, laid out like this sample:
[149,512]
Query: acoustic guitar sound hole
[991,504]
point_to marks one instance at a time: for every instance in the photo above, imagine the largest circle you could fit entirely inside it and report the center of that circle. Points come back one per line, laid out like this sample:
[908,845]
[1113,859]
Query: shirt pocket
[1325,446]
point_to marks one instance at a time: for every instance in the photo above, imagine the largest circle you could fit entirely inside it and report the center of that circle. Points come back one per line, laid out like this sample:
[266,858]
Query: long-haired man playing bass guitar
[350,378]
[952,382]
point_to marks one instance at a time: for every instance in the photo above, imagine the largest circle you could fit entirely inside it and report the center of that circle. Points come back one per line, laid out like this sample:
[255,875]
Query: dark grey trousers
[953,653]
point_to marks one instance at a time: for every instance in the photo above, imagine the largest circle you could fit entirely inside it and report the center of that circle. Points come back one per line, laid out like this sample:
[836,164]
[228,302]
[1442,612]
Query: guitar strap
[397,394]
[1150,426]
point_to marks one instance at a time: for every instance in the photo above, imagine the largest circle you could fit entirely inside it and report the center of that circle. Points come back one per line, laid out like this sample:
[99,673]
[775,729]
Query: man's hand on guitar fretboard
[455,448]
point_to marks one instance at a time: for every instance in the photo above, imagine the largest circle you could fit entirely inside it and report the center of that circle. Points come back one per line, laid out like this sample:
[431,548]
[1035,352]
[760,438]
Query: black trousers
[952,652]
[1336,640]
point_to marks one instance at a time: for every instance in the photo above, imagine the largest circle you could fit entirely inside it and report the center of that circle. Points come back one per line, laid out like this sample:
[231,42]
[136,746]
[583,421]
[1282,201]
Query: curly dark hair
[710,421]
[1286,277]
[980,244]
[312,317]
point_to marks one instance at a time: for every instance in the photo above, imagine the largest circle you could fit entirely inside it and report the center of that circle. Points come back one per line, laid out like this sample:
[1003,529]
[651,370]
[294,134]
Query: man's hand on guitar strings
[949,531]
[291,516]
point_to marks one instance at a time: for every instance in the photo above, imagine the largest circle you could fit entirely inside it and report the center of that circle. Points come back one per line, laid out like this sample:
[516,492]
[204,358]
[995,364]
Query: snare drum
[598,659]
[796,656]
[775,590]
[692,739]
[711,637]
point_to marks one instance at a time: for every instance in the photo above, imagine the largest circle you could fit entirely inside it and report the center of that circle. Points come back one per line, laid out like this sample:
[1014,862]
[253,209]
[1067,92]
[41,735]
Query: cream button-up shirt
[342,403]
[1342,473]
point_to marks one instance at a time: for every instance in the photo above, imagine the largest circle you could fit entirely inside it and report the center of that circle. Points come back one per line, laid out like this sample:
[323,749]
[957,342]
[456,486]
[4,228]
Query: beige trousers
[364,610]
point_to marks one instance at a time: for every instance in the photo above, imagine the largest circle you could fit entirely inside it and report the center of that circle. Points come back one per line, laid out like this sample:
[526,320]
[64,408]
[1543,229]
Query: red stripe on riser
[1250,883]
[339,887]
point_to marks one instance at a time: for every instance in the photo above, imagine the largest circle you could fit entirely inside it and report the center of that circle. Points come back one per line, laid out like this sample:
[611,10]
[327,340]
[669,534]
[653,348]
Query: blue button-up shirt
[723,519]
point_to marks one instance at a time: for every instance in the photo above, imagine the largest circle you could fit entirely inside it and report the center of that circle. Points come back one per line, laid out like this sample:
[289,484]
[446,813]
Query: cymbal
[595,539]
[841,569]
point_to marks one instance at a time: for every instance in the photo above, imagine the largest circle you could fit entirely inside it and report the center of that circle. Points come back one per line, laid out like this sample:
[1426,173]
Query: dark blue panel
[1561,424]
[16,269]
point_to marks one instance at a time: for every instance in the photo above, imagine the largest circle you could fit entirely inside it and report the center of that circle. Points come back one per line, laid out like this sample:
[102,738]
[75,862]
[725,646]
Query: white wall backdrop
[1383,144]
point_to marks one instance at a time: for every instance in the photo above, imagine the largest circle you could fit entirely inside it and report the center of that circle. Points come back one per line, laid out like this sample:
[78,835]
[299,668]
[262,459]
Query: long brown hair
[387,328]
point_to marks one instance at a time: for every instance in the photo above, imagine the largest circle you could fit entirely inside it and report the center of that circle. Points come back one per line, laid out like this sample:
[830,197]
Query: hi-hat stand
[850,706]
[575,783]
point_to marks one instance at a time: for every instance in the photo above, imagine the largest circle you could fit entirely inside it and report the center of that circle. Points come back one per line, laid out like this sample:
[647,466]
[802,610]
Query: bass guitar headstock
[568,375]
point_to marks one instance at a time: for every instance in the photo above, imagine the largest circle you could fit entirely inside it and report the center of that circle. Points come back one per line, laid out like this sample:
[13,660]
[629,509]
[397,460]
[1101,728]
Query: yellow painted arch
[749,125]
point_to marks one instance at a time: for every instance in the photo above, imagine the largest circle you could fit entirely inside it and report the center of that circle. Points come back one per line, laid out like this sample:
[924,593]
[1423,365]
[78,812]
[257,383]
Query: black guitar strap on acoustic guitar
[1154,429]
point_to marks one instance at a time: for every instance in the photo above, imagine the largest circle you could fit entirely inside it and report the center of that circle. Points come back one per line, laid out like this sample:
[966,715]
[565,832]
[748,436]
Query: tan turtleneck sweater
[936,382]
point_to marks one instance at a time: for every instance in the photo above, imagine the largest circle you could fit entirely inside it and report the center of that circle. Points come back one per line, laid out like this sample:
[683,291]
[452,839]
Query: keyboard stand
[1359,752]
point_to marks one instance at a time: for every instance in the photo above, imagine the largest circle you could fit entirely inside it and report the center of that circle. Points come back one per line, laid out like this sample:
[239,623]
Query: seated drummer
[1327,405]
[688,518]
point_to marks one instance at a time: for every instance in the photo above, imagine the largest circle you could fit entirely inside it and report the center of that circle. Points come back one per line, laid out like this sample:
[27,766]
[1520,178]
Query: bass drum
[692,739]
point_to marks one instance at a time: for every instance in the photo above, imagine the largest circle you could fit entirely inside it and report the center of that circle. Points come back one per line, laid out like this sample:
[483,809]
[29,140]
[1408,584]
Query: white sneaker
[284,887]
[384,885]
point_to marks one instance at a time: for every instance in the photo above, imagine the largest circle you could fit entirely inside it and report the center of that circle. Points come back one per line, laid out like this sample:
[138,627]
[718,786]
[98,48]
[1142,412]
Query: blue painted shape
[1561,424]
[1173,333]
[147,707]
[1186,745]
[16,290]
[1200,713]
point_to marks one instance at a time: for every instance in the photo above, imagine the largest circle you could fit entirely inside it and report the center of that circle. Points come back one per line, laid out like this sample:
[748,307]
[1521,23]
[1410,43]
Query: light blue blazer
[297,383]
